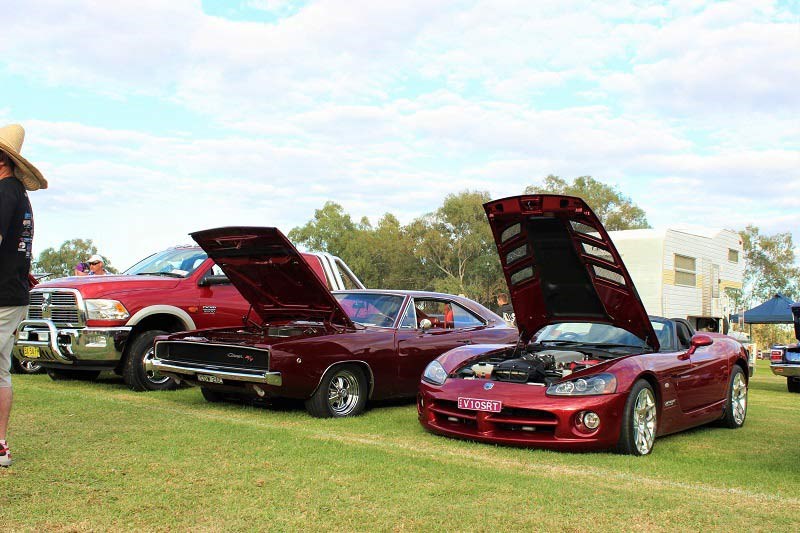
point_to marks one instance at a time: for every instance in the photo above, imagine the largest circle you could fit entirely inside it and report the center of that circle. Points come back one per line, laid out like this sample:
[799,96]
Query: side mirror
[698,340]
[213,280]
[425,324]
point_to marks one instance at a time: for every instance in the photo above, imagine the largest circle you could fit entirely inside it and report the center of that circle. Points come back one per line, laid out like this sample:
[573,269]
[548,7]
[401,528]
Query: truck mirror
[213,280]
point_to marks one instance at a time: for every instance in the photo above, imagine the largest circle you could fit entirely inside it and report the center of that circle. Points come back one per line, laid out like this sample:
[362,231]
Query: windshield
[176,262]
[371,309]
[588,333]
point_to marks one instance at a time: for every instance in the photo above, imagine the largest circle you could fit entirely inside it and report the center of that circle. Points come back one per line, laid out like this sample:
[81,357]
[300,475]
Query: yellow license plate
[30,352]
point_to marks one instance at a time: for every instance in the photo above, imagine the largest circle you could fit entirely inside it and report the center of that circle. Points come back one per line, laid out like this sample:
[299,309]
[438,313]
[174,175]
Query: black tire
[736,400]
[793,384]
[639,421]
[133,370]
[25,367]
[65,375]
[211,395]
[342,392]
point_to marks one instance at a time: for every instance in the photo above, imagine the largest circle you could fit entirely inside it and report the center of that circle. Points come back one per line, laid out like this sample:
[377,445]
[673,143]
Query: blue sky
[152,119]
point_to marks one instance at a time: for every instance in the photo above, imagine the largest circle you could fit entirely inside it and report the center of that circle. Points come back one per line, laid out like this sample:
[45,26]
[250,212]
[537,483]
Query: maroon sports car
[334,350]
[588,371]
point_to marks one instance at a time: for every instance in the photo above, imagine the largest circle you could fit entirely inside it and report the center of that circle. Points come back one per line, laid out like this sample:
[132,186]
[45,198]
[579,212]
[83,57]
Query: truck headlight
[588,386]
[105,310]
[434,373]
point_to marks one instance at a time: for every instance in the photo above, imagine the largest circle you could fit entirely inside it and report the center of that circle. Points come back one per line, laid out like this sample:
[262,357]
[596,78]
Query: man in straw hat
[16,238]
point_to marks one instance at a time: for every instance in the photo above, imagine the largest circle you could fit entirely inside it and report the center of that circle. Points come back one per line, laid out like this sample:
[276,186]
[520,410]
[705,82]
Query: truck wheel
[25,367]
[793,384]
[134,373]
[63,375]
[342,392]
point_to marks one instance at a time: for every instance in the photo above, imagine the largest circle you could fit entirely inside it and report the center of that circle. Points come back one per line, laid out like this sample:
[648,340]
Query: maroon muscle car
[334,350]
[588,371]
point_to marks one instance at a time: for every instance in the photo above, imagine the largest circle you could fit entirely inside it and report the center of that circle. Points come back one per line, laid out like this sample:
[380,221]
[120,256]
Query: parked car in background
[77,327]
[588,370]
[785,360]
[333,350]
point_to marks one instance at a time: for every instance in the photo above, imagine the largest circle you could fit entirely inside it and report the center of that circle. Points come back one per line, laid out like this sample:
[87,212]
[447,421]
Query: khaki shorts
[10,317]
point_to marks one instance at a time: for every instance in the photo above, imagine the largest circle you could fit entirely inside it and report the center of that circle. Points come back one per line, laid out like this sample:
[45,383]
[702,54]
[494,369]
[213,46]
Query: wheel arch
[652,380]
[161,317]
[357,362]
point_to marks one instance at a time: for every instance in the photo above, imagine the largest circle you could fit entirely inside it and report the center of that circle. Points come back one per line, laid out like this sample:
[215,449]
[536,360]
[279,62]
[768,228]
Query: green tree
[456,247]
[769,266]
[615,211]
[61,262]
[330,231]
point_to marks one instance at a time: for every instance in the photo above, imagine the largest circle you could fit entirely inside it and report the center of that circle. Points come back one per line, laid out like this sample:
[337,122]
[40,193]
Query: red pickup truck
[77,327]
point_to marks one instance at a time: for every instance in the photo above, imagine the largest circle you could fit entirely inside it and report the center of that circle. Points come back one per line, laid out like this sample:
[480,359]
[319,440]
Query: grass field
[95,456]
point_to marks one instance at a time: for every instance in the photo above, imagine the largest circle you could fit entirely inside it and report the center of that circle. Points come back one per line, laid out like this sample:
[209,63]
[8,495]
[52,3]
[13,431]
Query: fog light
[591,420]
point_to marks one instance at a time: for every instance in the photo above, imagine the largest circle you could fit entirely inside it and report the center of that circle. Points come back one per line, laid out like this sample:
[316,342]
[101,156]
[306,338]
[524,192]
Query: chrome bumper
[786,370]
[269,378]
[67,345]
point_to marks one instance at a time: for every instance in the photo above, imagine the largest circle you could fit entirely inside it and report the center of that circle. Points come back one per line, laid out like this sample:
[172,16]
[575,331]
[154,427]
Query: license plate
[209,379]
[475,404]
[30,352]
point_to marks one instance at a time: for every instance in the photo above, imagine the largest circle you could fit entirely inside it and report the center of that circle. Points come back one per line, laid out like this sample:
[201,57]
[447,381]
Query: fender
[162,309]
[360,362]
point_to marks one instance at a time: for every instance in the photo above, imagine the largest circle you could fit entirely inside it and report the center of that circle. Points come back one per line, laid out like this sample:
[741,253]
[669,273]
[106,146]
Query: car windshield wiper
[168,274]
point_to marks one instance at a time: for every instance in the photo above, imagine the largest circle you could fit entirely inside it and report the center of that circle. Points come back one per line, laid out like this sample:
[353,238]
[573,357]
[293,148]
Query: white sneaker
[5,454]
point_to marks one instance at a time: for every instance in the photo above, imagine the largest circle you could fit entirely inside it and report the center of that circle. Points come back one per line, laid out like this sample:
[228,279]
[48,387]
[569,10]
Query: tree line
[451,249]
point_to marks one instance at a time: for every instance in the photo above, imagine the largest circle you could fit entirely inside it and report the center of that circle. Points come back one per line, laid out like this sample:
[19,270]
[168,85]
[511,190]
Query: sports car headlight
[105,310]
[588,386]
[434,373]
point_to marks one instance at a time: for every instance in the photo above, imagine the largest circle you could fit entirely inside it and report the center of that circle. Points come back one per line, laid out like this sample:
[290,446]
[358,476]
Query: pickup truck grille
[60,306]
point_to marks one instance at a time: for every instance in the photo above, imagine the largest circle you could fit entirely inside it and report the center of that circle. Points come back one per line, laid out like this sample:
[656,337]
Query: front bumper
[787,370]
[191,372]
[528,418]
[42,341]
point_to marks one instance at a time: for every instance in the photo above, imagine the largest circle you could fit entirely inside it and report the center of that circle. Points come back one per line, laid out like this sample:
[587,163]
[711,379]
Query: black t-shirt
[16,228]
[507,312]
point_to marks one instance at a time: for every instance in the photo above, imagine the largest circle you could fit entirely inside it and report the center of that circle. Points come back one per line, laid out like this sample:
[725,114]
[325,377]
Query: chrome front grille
[59,305]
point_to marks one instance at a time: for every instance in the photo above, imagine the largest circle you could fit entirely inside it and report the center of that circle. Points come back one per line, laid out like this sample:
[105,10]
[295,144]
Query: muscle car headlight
[589,386]
[105,310]
[434,373]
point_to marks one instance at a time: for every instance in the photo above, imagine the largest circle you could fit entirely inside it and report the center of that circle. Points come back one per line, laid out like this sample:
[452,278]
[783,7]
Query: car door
[418,346]
[701,376]
[218,304]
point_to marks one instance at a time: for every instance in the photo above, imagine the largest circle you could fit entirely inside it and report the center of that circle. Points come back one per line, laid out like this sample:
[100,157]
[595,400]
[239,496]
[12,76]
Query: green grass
[95,456]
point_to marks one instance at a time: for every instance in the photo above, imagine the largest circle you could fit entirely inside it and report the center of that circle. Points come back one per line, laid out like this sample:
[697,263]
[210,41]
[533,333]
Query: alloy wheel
[644,421]
[739,399]
[343,393]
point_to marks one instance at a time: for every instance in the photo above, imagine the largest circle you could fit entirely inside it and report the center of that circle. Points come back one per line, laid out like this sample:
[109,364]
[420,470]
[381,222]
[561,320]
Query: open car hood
[271,274]
[561,266]
[796,314]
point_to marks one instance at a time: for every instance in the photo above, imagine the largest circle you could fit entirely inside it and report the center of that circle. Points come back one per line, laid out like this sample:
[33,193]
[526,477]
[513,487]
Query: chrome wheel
[644,421]
[153,376]
[739,398]
[344,393]
[30,367]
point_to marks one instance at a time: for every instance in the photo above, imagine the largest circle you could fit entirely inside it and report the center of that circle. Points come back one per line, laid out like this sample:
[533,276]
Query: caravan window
[685,270]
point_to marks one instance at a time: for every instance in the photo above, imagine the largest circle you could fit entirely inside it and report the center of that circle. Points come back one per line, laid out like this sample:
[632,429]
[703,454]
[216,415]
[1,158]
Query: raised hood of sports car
[561,266]
[271,274]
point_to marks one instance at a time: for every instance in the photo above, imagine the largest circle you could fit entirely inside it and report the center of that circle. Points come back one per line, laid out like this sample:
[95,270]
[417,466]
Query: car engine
[542,367]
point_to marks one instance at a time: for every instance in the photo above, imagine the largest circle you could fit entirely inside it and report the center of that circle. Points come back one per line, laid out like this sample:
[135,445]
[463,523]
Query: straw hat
[11,138]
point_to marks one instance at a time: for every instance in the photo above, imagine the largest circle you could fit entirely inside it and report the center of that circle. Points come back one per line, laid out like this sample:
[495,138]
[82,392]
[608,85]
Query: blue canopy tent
[776,310]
